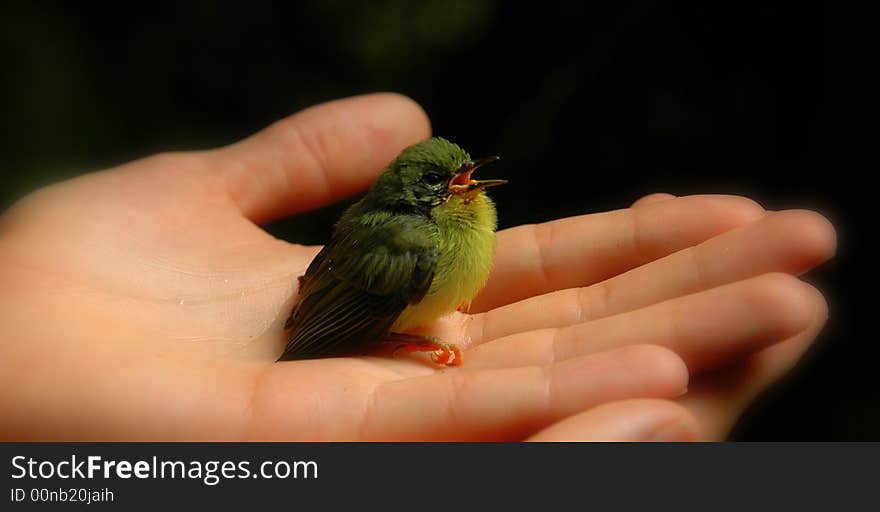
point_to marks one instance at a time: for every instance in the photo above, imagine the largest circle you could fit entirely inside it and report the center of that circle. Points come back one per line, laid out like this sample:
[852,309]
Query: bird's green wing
[358,285]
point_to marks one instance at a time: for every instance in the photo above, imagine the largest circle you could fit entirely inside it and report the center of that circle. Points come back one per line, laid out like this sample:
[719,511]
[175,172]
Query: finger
[718,399]
[512,403]
[320,154]
[792,242]
[634,420]
[708,329]
[653,198]
[536,259]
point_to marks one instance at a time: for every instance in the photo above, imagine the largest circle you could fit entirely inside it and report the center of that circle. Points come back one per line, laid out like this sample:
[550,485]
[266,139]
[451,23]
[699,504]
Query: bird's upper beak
[462,182]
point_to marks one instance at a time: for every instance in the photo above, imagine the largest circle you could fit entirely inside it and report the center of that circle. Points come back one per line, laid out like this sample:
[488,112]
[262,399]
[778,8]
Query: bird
[419,245]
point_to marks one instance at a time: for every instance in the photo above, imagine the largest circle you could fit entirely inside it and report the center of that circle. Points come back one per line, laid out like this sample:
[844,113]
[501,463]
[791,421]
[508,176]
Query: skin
[145,303]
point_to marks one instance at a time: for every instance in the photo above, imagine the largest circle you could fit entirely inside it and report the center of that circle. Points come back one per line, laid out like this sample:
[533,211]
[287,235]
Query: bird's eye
[433,178]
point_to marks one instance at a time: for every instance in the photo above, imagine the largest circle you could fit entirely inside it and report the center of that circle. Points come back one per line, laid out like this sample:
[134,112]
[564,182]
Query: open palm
[144,302]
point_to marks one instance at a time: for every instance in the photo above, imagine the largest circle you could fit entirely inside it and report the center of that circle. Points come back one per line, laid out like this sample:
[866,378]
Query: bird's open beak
[462,182]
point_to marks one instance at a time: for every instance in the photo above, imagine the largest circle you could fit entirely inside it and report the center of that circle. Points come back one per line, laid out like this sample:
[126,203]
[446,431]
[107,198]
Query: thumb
[319,155]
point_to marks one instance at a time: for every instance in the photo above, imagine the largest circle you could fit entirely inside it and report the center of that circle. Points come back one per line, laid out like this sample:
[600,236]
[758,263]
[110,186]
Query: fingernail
[683,392]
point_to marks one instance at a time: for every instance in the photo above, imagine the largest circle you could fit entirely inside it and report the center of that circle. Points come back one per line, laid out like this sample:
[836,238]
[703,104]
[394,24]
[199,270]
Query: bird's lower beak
[463,184]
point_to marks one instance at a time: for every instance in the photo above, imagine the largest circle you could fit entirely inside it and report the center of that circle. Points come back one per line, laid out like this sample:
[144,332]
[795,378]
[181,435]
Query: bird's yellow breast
[466,250]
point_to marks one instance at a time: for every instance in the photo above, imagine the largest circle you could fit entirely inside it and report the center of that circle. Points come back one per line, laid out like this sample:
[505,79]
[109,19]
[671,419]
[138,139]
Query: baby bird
[418,246]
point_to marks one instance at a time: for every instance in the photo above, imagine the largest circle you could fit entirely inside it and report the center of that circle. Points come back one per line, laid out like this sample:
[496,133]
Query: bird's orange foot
[441,352]
[447,354]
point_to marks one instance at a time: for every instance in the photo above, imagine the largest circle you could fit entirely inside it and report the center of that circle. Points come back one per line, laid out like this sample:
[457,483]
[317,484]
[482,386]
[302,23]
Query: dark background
[626,98]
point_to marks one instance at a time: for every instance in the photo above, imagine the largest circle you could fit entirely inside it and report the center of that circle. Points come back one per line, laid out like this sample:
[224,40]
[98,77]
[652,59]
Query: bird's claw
[441,352]
[447,354]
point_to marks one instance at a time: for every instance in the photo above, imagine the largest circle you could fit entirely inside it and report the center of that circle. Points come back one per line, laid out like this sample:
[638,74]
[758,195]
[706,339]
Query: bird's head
[429,174]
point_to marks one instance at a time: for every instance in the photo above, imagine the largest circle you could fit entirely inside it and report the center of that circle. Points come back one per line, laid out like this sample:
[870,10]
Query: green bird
[418,246]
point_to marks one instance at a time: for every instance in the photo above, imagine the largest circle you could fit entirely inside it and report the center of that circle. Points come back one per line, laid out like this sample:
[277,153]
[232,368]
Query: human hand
[729,306]
[143,302]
